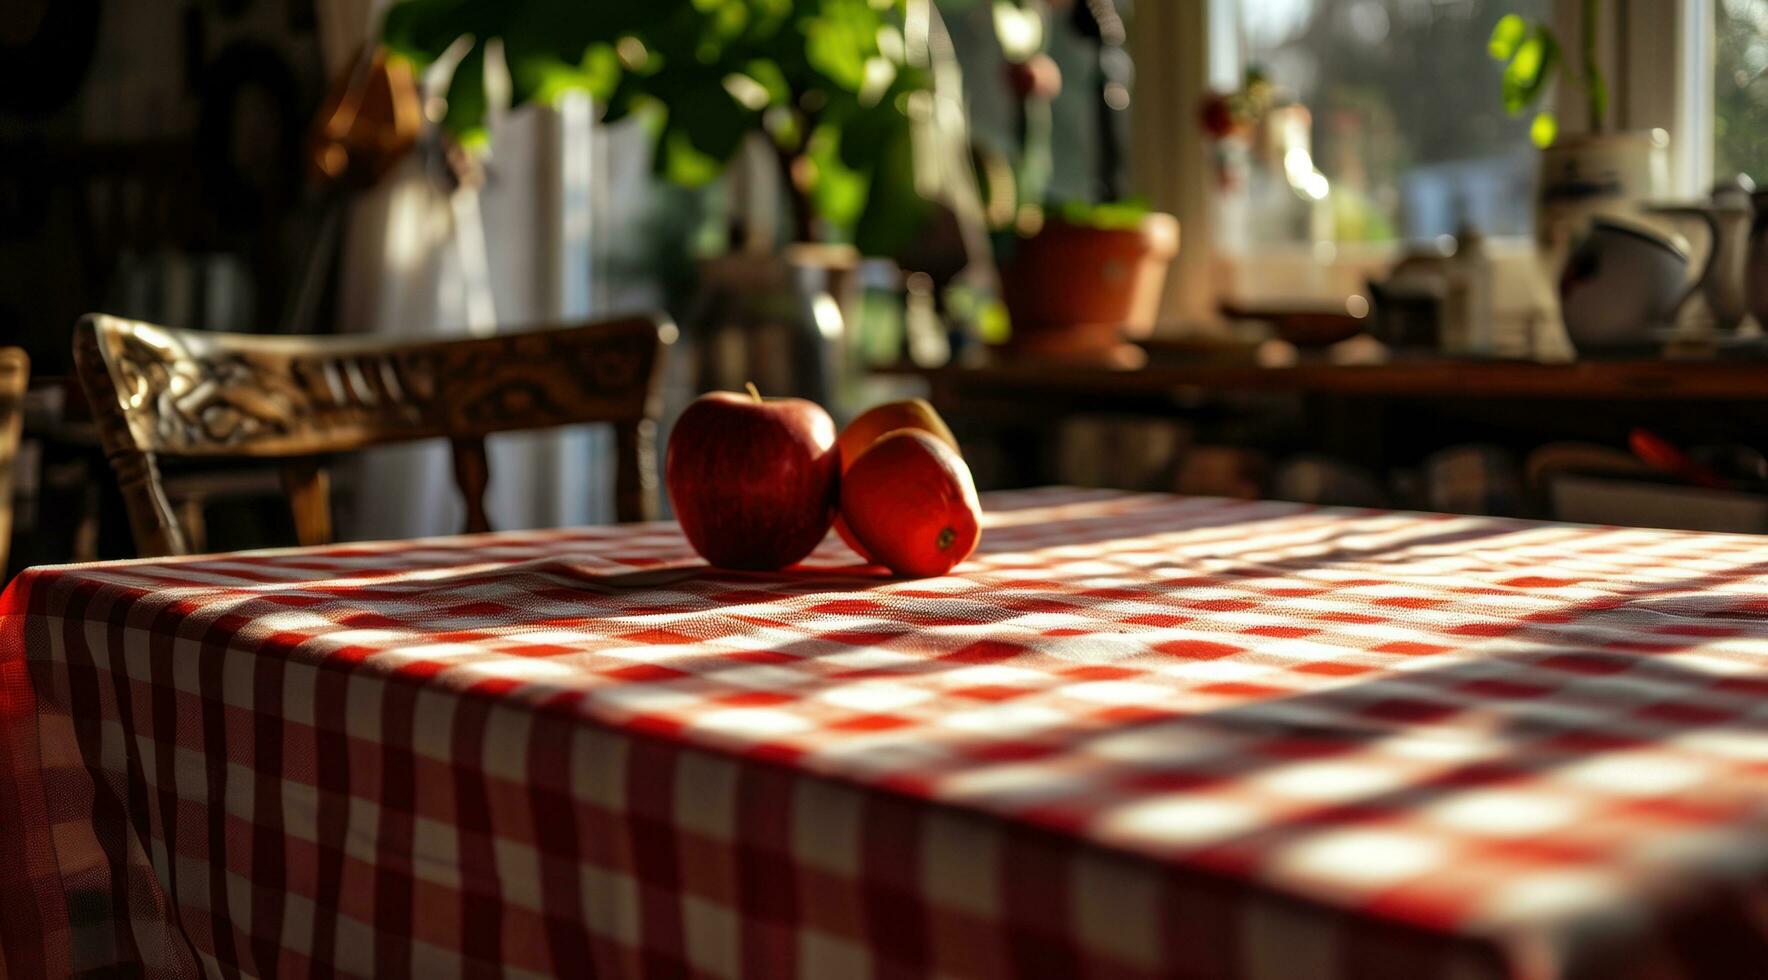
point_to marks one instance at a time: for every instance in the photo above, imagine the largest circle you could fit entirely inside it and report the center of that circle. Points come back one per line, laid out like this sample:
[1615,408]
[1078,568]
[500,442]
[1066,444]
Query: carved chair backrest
[158,391]
[15,373]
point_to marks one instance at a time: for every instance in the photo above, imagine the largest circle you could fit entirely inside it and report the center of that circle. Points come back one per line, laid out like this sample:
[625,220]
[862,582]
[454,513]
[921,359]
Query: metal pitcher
[1722,276]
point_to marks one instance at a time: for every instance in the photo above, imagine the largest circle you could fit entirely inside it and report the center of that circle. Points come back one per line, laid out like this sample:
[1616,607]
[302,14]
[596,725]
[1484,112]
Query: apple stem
[754,392]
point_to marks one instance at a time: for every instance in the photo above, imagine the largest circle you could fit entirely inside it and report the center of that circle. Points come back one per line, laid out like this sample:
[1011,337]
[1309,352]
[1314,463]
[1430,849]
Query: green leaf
[783,128]
[992,325]
[838,41]
[1507,36]
[467,102]
[730,19]
[1543,130]
[1550,59]
[839,191]
[544,79]
[1522,74]
[1527,74]
[894,212]
[767,73]
[1110,215]
[679,161]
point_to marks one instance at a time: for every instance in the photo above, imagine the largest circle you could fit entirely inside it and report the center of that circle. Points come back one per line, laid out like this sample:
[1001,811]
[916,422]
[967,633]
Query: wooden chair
[160,392]
[15,373]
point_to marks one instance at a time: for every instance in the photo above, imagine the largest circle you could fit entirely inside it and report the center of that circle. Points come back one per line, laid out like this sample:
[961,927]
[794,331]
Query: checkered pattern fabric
[1134,736]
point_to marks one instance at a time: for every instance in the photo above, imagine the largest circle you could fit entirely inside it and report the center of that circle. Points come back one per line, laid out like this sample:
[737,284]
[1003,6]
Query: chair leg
[472,473]
[308,486]
[195,525]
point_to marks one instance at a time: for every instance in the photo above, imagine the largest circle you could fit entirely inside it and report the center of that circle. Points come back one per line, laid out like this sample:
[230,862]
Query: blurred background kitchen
[1483,256]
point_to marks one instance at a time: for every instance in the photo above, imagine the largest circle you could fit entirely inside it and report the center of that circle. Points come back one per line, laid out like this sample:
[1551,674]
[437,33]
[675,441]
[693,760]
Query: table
[1135,736]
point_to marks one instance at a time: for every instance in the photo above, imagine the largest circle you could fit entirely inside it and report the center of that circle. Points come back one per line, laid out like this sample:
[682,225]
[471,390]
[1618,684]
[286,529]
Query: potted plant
[1584,174]
[1077,277]
[848,96]
[1088,278]
[827,83]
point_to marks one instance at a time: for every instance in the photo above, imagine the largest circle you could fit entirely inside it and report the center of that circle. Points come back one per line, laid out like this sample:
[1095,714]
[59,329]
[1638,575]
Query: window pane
[1401,118]
[1740,103]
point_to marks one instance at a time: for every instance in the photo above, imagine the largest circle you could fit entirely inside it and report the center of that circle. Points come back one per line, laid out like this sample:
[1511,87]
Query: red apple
[872,425]
[753,482]
[909,499]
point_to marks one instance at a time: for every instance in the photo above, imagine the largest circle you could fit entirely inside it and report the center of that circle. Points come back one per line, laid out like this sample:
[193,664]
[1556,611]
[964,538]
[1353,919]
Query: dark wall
[149,162]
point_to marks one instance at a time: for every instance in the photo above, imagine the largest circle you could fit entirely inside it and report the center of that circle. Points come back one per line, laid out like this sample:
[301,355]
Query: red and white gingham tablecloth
[1135,736]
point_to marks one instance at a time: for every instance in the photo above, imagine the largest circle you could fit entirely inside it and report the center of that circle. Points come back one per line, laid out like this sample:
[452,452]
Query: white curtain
[419,262]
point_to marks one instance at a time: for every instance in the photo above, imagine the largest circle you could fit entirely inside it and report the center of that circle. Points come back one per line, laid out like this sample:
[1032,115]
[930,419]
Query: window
[1395,131]
[1740,91]
[1405,133]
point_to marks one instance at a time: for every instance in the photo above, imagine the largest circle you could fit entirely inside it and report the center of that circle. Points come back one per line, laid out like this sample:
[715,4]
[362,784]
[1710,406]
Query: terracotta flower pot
[1078,289]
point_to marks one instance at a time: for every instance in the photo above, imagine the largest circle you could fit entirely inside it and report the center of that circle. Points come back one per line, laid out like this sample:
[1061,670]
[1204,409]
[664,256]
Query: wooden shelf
[1434,378]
